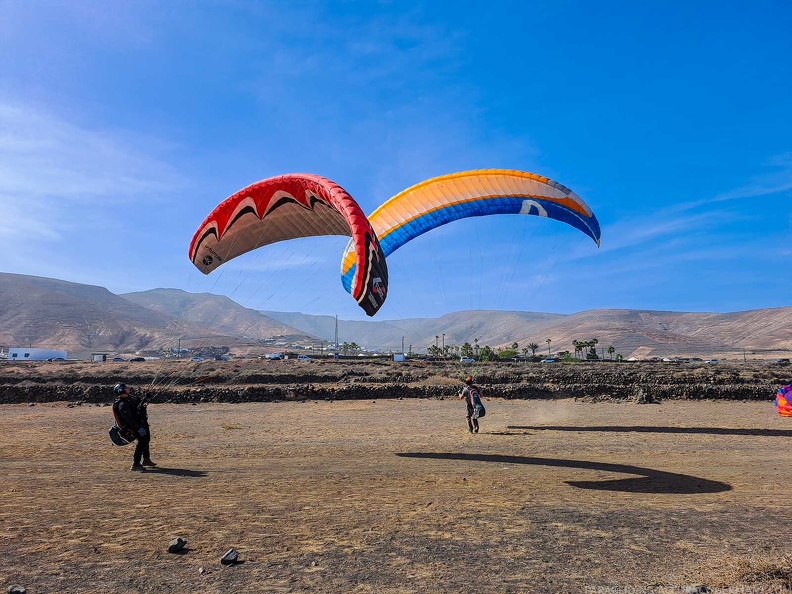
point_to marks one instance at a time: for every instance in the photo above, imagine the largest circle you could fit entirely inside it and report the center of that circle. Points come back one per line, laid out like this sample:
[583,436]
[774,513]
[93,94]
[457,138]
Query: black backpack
[118,436]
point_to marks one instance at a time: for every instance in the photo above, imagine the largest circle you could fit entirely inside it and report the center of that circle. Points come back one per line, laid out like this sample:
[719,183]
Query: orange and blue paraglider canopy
[482,192]
[783,401]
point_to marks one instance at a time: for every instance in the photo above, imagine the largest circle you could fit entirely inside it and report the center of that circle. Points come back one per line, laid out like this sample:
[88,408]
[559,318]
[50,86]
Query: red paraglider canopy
[288,207]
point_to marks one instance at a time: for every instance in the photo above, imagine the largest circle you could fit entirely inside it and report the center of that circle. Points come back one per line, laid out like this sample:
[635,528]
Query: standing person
[471,394]
[132,418]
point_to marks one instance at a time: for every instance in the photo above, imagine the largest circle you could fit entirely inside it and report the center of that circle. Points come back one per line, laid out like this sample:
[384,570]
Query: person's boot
[137,467]
[148,462]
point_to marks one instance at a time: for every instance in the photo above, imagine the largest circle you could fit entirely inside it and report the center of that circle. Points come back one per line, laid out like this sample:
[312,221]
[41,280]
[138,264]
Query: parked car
[547,361]
[713,361]
[137,359]
[118,359]
[783,361]
[304,358]
[467,360]
[196,358]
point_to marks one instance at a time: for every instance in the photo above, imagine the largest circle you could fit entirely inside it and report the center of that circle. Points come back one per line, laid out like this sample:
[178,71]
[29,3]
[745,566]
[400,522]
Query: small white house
[30,354]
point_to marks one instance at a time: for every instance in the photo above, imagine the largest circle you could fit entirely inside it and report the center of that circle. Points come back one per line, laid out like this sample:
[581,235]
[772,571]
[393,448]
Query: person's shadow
[650,481]
[176,471]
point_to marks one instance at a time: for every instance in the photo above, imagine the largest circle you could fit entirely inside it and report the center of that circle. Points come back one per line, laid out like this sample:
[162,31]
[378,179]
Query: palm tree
[533,346]
[515,346]
[548,341]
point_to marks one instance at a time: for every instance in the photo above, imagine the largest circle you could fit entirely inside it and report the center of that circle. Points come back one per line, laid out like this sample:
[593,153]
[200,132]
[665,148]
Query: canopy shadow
[649,429]
[650,481]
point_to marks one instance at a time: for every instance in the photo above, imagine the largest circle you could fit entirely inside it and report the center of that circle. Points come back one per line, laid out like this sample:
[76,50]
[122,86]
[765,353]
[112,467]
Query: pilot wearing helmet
[132,419]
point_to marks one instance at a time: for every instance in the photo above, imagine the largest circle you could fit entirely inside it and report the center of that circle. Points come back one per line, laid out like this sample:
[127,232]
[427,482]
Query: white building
[30,354]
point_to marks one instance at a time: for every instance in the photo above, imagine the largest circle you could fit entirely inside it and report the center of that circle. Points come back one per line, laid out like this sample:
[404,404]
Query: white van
[304,358]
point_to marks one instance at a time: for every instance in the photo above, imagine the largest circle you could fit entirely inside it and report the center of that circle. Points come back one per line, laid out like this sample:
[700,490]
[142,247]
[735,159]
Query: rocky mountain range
[84,319]
[57,314]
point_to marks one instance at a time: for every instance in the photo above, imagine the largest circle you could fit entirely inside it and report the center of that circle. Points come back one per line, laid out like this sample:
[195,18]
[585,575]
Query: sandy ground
[395,496]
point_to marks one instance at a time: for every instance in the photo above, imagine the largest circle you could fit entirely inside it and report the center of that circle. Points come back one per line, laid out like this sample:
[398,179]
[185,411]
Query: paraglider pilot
[132,418]
[471,394]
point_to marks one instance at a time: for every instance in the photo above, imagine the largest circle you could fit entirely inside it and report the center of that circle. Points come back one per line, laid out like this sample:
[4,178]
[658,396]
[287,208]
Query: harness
[474,401]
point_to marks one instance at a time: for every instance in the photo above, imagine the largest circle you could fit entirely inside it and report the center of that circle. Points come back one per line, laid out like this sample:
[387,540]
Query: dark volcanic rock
[257,381]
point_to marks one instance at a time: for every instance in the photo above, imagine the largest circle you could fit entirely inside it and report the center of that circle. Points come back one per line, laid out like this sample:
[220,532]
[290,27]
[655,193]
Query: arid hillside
[82,319]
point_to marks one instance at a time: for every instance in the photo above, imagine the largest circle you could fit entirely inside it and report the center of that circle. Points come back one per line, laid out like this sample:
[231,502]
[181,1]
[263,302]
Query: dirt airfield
[395,496]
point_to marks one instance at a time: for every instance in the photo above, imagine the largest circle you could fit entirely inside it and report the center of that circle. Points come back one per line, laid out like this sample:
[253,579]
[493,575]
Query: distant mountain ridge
[642,333]
[215,312]
[490,327]
[51,313]
[82,319]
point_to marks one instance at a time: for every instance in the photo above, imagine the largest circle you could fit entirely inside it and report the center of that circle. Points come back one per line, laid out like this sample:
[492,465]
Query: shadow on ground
[643,429]
[177,471]
[650,481]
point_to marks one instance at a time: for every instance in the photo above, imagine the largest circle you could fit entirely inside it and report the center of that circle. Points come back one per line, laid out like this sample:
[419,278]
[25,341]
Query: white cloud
[45,157]
[766,184]
[21,218]
[684,224]
[67,192]
[57,177]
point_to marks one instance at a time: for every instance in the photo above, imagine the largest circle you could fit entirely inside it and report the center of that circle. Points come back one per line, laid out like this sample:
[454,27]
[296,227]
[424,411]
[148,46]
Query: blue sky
[123,124]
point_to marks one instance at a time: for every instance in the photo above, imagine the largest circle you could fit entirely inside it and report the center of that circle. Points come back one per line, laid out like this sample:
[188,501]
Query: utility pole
[336,336]
[402,345]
